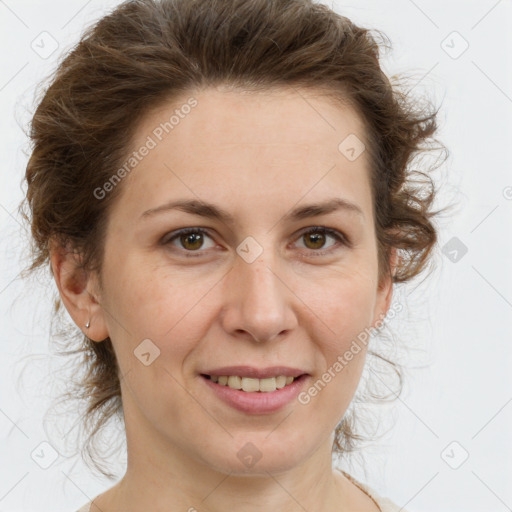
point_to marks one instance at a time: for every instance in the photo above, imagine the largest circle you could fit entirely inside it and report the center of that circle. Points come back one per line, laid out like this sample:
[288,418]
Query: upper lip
[255,373]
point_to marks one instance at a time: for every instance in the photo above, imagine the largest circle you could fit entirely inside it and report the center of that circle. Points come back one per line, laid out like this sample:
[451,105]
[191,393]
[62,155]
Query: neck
[160,480]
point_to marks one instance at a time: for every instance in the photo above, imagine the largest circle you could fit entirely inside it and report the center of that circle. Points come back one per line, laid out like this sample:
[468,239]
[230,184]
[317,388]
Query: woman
[223,190]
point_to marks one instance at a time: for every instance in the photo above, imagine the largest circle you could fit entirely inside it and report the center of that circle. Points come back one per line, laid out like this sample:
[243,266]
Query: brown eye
[194,239]
[190,240]
[315,238]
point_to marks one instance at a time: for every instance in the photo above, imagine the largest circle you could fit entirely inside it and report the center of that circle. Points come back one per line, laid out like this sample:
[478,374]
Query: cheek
[151,299]
[341,313]
[342,306]
[173,311]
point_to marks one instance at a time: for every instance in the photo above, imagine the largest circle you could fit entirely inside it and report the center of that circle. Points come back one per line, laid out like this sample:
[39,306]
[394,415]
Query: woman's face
[252,289]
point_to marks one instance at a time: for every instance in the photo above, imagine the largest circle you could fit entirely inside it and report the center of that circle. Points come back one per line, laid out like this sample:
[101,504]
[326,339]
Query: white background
[458,320]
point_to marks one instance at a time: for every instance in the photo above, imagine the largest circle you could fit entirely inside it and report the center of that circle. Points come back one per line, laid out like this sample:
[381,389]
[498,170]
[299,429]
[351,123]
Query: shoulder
[384,503]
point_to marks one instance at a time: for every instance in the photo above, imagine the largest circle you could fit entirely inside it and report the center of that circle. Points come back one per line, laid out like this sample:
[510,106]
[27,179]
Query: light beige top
[384,504]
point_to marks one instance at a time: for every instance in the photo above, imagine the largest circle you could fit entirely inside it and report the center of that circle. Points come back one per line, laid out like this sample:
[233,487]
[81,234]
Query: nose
[258,301]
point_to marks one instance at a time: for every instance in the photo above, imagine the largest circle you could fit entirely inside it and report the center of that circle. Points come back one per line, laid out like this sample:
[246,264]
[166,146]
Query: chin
[260,453]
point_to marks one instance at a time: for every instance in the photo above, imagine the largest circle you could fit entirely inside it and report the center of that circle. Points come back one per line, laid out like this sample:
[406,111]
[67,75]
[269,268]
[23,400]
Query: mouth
[253,385]
[255,396]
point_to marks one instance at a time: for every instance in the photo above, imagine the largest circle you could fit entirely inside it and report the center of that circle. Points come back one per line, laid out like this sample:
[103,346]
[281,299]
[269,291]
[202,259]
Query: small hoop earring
[88,324]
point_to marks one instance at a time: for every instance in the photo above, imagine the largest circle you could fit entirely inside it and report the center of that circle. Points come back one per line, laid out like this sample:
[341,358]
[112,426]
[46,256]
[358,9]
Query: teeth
[253,385]
[234,382]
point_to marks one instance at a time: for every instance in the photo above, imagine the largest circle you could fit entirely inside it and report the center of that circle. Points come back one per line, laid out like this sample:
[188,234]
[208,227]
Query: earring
[88,324]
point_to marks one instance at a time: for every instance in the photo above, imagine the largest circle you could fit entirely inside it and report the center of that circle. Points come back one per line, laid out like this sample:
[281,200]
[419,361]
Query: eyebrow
[211,211]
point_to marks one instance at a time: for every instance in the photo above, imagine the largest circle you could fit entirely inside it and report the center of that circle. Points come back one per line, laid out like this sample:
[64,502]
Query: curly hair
[146,52]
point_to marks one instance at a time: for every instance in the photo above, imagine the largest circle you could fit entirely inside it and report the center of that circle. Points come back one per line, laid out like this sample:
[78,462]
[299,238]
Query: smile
[255,396]
[250,385]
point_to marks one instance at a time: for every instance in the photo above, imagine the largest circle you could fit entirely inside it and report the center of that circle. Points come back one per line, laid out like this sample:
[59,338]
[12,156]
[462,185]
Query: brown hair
[146,52]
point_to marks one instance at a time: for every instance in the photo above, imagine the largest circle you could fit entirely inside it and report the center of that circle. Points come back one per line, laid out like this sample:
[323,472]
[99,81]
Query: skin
[257,156]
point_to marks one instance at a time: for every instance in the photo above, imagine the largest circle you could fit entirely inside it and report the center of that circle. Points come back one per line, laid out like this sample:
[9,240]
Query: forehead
[227,116]
[216,143]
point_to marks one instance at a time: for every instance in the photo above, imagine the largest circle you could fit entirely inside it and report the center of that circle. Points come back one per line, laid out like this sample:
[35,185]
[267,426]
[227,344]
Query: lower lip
[257,402]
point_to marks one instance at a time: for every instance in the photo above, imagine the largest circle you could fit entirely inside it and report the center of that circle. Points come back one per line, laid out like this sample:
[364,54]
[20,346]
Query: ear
[79,292]
[385,289]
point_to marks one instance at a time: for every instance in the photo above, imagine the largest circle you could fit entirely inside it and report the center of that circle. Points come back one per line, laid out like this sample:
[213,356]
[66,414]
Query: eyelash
[340,237]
